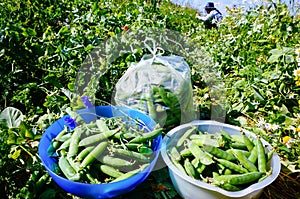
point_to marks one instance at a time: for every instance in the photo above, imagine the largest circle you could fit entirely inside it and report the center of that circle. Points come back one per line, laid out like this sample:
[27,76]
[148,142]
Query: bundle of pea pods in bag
[159,86]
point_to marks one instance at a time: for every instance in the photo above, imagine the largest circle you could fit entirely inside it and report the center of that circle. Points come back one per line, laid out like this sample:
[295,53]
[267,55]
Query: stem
[32,156]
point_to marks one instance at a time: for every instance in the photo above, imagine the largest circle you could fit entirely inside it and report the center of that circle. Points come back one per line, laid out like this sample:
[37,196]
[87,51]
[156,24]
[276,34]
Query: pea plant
[44,43]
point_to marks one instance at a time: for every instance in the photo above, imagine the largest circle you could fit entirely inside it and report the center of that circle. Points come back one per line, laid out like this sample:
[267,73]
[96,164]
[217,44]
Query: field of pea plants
[246,73]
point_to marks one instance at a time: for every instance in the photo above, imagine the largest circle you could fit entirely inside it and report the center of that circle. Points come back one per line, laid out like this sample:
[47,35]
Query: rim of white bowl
[275,161]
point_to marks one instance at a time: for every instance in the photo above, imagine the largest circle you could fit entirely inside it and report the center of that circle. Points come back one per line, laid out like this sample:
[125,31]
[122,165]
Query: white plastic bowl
[190,188]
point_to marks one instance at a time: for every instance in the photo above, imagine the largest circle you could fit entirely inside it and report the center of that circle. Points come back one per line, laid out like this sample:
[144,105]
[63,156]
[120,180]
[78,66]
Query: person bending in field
[212,17]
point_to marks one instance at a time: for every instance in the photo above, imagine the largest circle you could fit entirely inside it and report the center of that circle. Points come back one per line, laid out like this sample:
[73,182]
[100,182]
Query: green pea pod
[96,152]
[238,179]
[129,135]
[62,152]
[118,135]
[102,125]
[195,162]
[244,160]
[227,171]
[200,140]
[245,178]
[225,135]
[75,138]
[171,121]
[131,173]
[190,170]
[197,152]
[61,134]
[270,155]
[185,152]
[201,168]
[132,154]
[267,174]
[164,97]
[108,170]
[246,153]
[253,155]
[133,146]
[185,136]
[178,165]
[145,150]
[237,138]
[172,98]
[218,152]
[83,153]
[150,106]
[263,177]
[249,144]
[114,161]
[174,153]
[90,178]
[53,146]
[93,139]
[232,165]
[64,137]
[64,145]
[146,136]
[221,168]
[238,145]
[67,169]
[230,187]
[74,164]
[261,156]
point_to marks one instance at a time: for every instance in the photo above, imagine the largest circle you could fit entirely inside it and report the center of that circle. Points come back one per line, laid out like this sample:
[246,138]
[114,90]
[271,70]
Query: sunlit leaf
[274,58]
[13,117]
[276,52]
[16,154]
[26,131]
[242,120]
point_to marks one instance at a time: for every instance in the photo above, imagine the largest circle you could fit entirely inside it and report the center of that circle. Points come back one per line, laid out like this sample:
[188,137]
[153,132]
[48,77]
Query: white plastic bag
[159,86]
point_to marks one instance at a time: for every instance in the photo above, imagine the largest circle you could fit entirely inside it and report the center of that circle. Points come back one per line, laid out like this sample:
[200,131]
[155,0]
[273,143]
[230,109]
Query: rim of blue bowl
[140,175]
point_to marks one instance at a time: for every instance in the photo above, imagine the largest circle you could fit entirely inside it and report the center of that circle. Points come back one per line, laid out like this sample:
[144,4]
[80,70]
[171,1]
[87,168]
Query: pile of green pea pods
[105,150]
[232,162]
[162,105]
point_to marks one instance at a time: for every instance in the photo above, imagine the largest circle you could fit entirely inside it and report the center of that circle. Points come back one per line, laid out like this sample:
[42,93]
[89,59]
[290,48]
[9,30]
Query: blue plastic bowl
[107,190]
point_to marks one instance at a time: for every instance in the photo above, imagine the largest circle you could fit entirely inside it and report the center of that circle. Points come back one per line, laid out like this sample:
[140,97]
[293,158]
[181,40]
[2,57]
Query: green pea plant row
[102,151]
[232,162]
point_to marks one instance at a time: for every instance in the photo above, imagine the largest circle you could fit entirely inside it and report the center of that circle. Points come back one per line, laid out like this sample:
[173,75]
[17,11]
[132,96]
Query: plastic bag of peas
[159,86]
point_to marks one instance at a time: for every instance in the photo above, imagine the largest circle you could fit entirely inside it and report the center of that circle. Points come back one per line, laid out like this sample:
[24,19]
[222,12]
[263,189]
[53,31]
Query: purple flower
[86,101]
[70,122]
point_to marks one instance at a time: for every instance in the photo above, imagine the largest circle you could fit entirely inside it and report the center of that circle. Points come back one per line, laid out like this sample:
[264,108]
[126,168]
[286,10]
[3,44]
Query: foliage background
[43,44]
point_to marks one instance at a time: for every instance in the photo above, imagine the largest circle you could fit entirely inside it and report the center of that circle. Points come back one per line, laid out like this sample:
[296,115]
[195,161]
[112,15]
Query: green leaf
[26,131]
[274,58]
[242,120]
[16,154]
[284,110]
[287,50]
[49,193]
[11,138]
[13,117]
[71,86]
[28,32]
[289,121]
[289,59]
[276,52]
[64,29]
